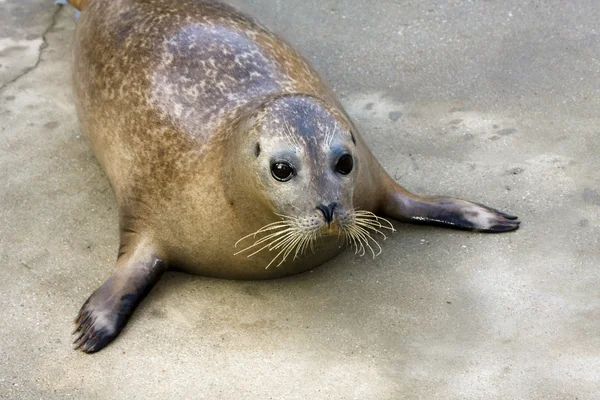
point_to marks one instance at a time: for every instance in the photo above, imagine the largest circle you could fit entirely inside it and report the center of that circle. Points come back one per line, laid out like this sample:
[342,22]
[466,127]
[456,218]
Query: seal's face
[304,157]
[303,154]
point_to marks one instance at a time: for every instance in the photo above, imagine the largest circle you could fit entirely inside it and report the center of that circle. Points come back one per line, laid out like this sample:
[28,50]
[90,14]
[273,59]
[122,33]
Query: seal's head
[300,155]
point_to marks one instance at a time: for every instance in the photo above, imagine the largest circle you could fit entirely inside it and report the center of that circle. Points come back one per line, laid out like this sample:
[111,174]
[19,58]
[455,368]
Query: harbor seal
[227,153]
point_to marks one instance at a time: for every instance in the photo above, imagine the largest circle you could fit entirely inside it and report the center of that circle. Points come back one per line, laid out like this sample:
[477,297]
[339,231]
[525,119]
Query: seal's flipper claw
[446,212]
[503,214]
[105,313]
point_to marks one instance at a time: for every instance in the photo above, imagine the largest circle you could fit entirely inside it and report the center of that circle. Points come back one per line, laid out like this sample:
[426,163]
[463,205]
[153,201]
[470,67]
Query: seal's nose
[327,211]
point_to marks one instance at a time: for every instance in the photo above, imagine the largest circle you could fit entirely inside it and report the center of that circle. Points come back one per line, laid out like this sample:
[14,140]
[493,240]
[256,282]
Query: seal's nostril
[332,207]
[327,211]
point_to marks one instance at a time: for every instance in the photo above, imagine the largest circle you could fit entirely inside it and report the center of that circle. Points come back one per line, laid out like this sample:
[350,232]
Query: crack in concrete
[41,49]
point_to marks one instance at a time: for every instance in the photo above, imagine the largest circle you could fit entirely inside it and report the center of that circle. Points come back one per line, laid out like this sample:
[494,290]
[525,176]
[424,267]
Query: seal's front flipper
[446,211]
[108,309]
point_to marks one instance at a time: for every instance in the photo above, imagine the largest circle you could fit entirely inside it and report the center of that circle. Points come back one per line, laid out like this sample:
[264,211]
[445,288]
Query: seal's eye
[345,164]
[282,171]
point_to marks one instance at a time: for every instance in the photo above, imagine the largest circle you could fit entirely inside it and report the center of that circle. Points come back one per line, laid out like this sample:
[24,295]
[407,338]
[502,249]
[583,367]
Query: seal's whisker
[329,134]
[285,238]
[370,221]
[273,242]
[288,218]
[350,241]
[272,236]
[291,241]
[360,248]
[364,243]
[315,235]
[332,134]
[266,228]
[284,241]
[291,248]
[358,232]
[352,237]
[302,245]
[306,239]
[366,235]
[347,238]
[367,215]
[310,239]
[253,235]
[269,238]
[284,245]
[368,226]
[290,135]
[281,241]
[270,227]
[310,243]
[285,228]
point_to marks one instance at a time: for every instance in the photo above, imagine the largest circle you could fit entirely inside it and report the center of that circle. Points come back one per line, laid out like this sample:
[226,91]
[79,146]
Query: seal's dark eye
[282,171]
[345,164]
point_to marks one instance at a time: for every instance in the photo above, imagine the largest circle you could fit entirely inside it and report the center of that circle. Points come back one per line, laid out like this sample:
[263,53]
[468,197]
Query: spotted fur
[182,102]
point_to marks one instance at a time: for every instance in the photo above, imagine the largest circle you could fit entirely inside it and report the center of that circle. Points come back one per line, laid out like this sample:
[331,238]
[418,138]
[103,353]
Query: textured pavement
[495,102]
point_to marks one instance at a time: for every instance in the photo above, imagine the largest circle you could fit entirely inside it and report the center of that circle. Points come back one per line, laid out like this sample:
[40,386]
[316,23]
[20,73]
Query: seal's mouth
[332,228]
[329,231]
[291,237]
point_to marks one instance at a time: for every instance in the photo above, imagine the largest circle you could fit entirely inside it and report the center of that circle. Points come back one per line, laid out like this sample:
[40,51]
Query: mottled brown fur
[170,94]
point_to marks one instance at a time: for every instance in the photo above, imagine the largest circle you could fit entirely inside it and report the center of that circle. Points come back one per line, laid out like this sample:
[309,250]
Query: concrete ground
[497,102]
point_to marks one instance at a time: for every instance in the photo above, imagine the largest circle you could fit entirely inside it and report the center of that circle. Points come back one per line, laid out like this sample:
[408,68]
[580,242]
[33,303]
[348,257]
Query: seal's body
[227,154]
[160,88]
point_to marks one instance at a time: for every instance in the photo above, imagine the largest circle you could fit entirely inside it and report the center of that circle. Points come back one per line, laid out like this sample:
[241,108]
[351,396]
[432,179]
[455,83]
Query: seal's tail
[78,4]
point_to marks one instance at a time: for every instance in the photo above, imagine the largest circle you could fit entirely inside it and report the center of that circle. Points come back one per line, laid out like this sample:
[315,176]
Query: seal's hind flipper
[108,309]
[446,212]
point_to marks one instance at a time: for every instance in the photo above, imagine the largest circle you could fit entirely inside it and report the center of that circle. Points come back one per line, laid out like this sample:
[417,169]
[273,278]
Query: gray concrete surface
[494,101]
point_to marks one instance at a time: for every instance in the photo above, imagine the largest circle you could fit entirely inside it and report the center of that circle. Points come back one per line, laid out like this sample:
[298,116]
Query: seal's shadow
[404,296]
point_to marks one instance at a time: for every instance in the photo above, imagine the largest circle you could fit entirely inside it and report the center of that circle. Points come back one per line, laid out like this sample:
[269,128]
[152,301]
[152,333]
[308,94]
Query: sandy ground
[496,102]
